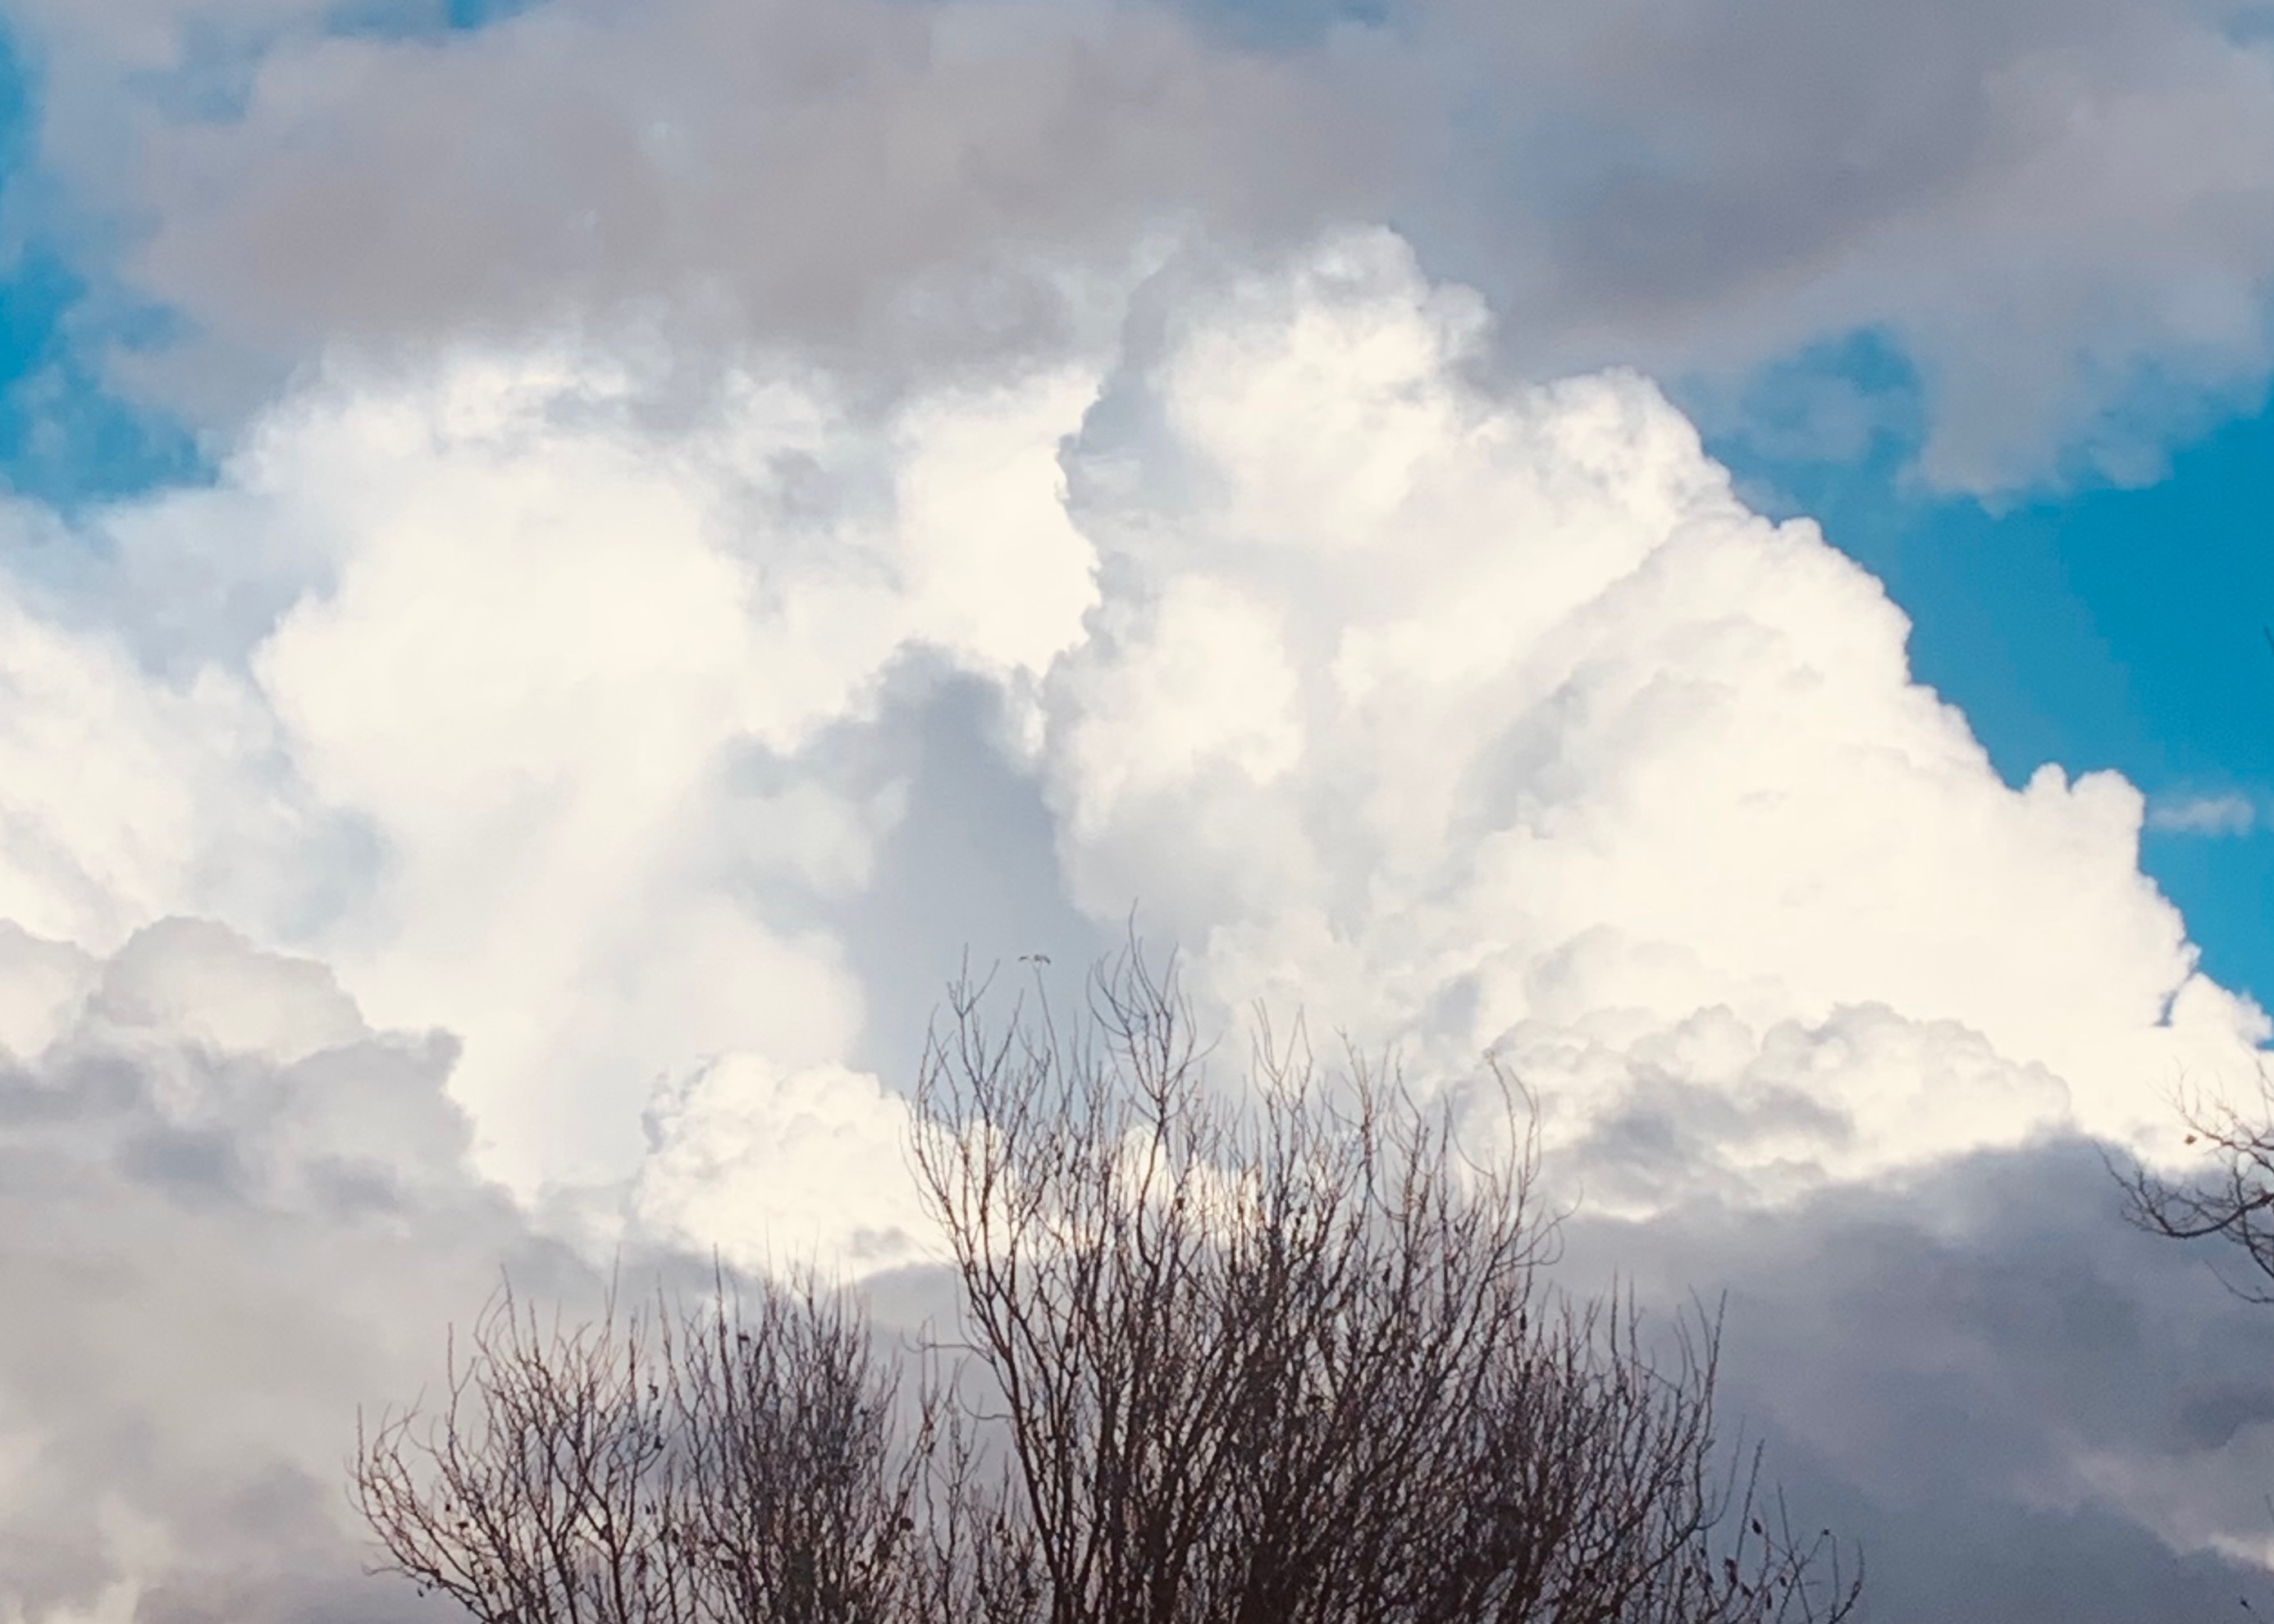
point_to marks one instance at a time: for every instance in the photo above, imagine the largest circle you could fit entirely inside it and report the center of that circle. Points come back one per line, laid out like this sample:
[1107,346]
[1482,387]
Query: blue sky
[64,437]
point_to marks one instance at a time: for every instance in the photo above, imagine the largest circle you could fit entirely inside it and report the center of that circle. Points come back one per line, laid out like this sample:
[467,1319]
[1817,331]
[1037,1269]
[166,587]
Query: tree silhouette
[1275,1351]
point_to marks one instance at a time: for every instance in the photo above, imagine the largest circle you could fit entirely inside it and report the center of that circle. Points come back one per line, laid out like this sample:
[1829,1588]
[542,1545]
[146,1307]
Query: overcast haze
[562,565]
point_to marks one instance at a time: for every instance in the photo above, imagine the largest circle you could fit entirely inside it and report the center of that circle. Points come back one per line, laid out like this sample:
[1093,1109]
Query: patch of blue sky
[2098,627]
[2250,25]
[65,438]
[411,18]
[1284,25]
[467,15]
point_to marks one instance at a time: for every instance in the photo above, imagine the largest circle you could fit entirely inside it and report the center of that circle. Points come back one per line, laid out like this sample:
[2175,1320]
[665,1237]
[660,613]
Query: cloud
[1985,1362]
[889,184]
[659,745]
[240,1213]
[2202,815]
[2053,209]
[758,1165]
[533,715]
[2048,207]
[1481,716]
[230,1213]
[1492,718]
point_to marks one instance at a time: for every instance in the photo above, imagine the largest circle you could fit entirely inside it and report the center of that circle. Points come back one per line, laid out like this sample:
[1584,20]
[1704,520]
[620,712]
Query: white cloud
[560,711]
[778,1172]
[555,667]
[1528,734]
[2228,814]
[112,786]
[1473,716]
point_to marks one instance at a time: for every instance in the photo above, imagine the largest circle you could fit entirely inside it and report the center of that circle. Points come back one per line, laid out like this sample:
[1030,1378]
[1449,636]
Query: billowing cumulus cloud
[547,693]
[1495,720]
[1480,717]
[761,1167]
[660,746]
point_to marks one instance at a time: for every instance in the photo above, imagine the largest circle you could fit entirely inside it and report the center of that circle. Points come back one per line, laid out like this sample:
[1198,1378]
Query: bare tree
[1283,1357]
[2232,1199]
[733,1466]
[1280,1354]
[796,1489]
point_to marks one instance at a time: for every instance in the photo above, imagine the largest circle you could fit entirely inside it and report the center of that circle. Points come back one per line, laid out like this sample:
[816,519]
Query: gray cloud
[2061,210]
[2041,202]
[1990,1379]
[230,1214]
[880,179]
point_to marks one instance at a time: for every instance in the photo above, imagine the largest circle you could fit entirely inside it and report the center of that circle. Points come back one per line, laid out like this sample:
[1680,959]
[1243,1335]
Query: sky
[563,565]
